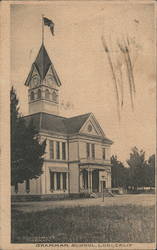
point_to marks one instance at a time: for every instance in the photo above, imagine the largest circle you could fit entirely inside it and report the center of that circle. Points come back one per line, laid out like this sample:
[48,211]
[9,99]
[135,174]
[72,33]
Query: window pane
[51,180]
[32,95]
[85,179]
[58,180]
[88,150]
[63,151]
[51,150]
[103,153]
[93,151]
[57,150]
[27,186]
[39,93]
[47,94]
[64,181]
[16,187]
[54,96]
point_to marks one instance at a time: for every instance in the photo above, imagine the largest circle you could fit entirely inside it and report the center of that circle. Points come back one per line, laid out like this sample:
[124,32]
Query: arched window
[54,96]
[39,93]
[32,96]
[47,94]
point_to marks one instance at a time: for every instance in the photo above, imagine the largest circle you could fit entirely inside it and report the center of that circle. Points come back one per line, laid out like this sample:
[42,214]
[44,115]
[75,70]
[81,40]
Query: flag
[49,23]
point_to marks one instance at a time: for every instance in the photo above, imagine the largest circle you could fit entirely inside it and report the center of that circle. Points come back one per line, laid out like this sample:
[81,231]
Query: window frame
[64,151]
[32,96]
[64,176]
[57,150]
[104,153]
[39,95]
[58,180]
[16,188]
[51,149]
[88,150]
[93,150]
[27,186]
[47,94]
[52,181]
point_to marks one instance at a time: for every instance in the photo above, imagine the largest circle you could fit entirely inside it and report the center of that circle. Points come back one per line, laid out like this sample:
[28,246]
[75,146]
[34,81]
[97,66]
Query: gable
[92,127]
[49,79]
[33,78]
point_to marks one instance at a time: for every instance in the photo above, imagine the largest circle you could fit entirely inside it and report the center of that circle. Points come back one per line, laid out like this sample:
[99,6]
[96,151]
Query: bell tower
[43,83]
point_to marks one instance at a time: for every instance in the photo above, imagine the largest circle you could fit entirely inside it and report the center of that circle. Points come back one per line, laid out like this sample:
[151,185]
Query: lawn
[129,223]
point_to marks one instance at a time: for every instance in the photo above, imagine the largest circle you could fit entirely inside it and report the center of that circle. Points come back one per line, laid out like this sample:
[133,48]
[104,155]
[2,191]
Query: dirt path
[140,199]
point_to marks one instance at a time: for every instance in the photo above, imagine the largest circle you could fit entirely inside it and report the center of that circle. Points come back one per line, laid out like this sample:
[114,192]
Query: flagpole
[42,29]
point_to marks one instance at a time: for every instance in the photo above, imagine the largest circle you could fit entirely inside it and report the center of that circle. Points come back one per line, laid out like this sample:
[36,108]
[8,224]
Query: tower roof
[42,63]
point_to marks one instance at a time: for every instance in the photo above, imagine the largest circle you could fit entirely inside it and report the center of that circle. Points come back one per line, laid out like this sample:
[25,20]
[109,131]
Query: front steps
[107,193]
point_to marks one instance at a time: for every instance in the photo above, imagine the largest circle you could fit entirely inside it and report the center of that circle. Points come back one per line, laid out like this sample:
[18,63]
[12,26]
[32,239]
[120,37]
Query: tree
[118,172]
[137,164]
[27,150]
[151,171]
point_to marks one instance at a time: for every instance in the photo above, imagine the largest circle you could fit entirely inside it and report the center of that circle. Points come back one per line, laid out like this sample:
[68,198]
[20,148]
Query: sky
[82,65]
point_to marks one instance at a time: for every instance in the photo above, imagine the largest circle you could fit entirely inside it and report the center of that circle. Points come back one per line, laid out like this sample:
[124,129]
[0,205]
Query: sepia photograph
[82,125]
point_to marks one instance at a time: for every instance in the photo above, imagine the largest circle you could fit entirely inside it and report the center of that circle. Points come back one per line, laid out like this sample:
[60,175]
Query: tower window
[39,93]
[54,96]
[32,96]
[47,94]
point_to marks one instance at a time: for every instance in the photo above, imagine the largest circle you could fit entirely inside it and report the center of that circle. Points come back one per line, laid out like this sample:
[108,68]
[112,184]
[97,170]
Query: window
[51,149]
[57,150]
[47,94]
[27,186]
[54,96]
[93,150]
[64,181]
[51,180]
[39,93]
[58,180]
[63,150]
[85,179]
[88,150]
[16,187]
[104,153]
[32,96]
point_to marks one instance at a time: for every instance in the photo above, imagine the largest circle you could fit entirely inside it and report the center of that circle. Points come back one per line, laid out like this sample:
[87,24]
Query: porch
[94,179]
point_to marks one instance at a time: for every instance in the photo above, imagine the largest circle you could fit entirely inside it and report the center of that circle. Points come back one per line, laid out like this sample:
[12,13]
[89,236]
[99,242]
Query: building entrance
[95,181]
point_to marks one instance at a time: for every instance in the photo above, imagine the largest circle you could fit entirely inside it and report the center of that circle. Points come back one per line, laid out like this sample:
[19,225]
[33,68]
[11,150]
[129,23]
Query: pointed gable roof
[42,64]
[74,124]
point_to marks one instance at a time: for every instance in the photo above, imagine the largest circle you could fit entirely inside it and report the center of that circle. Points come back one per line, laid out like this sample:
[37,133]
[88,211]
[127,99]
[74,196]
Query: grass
[85,224]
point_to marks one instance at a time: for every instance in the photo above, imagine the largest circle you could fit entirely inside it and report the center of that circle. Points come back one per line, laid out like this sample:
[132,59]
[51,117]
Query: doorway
[95,181]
